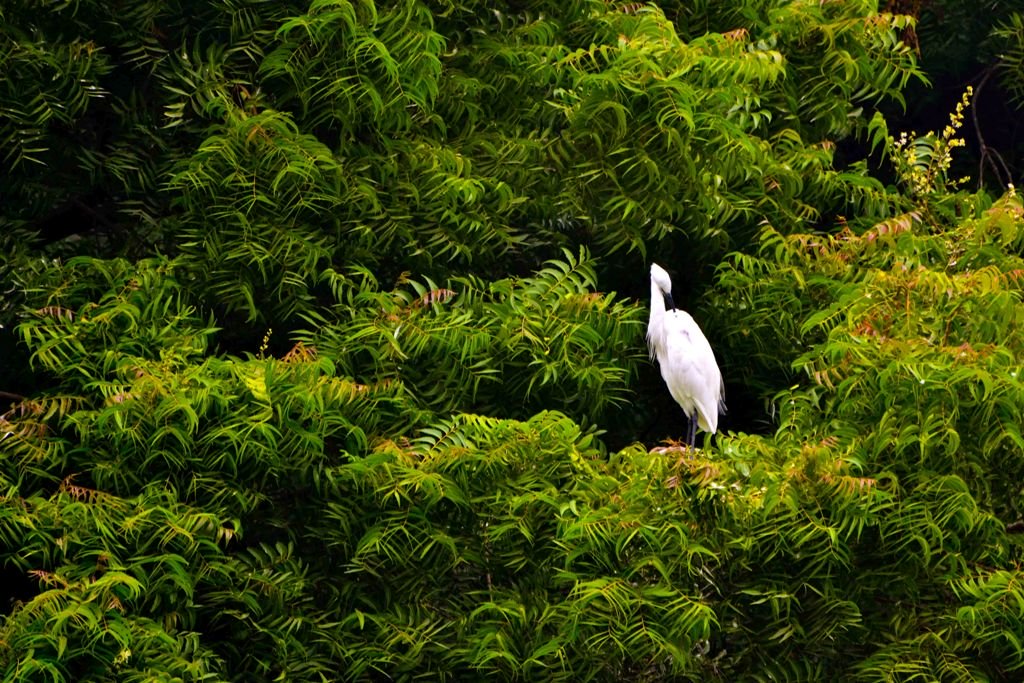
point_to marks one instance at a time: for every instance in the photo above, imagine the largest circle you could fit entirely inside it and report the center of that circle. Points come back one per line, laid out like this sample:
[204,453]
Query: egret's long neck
[656,323]
[657,302]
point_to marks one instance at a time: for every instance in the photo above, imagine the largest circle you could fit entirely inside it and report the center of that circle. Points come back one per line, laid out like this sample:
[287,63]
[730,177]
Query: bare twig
[988,154]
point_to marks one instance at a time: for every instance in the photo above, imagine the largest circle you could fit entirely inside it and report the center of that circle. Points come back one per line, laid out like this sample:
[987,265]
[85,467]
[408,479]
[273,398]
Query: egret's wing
[690,370]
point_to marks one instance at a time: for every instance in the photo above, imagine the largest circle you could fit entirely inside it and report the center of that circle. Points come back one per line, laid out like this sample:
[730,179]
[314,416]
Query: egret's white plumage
[687,362]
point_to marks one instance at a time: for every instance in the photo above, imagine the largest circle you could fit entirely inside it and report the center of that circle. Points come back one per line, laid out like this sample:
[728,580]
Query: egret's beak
[669,304]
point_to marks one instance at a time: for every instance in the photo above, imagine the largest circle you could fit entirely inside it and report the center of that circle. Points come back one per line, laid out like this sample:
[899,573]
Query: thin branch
[988,154]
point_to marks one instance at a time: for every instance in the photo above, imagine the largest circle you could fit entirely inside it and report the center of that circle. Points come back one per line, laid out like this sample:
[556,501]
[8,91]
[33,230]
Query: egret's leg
[692,433]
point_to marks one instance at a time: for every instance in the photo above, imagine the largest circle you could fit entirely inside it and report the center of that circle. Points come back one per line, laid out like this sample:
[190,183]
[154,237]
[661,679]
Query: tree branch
[988,154]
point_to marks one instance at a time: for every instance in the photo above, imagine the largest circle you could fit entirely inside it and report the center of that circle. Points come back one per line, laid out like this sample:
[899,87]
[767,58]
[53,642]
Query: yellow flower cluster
[956,119]
[922,162]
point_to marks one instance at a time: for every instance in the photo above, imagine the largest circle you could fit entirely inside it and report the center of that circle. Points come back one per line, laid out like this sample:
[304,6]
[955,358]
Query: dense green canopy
[322,358]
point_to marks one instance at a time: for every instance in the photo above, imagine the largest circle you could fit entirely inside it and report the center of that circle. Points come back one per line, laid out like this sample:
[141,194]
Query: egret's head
[661,278]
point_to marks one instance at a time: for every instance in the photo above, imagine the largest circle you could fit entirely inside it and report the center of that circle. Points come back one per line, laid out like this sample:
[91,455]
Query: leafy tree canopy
[322,359]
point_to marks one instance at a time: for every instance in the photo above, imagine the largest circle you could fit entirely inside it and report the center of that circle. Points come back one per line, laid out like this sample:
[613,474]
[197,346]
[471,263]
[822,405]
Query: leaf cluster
[422,209]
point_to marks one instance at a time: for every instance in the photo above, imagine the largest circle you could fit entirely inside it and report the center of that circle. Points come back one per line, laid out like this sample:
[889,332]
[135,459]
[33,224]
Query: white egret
[687,362]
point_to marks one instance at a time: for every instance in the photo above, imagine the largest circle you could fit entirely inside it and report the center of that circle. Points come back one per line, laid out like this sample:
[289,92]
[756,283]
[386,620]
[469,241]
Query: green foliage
[51,84]
[1011,62]
[269,143]
[102,563]
[422,209]
[908,333]
[250,194]
[508,347]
